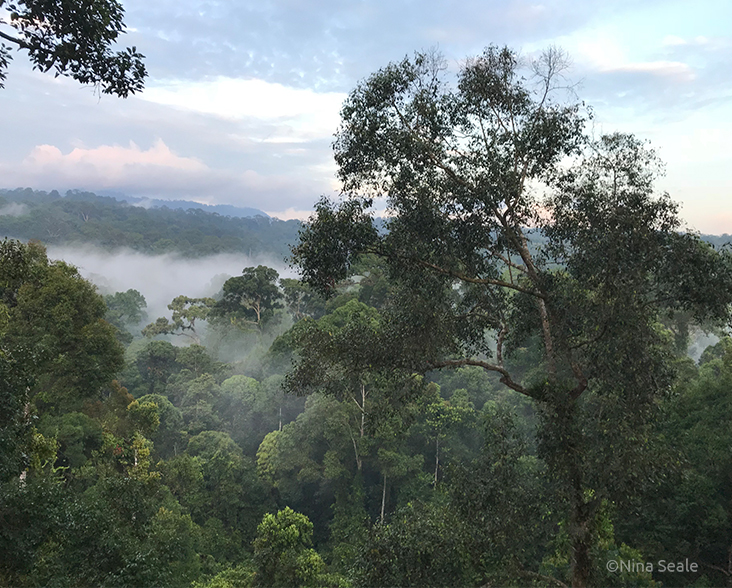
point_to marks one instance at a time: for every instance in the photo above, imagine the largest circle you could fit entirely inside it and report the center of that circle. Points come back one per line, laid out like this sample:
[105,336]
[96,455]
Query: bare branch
[509,263]
[499,344]
[18,42]
[488,281]
[581,386]
[506,378]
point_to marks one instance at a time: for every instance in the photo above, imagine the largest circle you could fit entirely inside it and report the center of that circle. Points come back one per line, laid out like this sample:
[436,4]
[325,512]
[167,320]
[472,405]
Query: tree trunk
[580,531]
[363,408]
[383,500]
[355,447]
[581,520]
[565,458]
[437,458]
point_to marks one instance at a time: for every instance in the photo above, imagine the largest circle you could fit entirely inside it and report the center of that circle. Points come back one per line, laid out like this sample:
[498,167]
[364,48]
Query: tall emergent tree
[73,38]
[249,301]
[506,228]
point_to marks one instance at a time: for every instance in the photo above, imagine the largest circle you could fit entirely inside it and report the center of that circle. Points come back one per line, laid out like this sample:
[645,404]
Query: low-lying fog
[160,278]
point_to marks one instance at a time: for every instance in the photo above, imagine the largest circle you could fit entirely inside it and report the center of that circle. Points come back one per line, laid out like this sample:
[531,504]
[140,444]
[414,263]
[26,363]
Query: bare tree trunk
[363,408]
[437,458]
[383,500]
[355,447]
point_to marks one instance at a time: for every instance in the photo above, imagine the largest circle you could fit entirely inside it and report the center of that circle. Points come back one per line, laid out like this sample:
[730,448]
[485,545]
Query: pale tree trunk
[383,500]
[437,458]
[362,427]
[355,447]
[26,414]
[363,408]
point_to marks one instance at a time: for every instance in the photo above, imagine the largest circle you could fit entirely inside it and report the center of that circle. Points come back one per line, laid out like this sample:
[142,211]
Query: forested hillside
[88,219]
[83,218]
[483,387]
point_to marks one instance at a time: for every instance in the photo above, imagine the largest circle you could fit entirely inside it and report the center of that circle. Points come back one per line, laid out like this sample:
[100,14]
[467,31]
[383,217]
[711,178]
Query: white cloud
[106,166]
[674,69]
[112,161]
[154,172]
[673,41]
[298,114]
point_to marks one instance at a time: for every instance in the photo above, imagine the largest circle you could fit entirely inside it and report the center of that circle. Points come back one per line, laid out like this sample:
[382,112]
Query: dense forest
[110,224]
[445,397]
[132,461]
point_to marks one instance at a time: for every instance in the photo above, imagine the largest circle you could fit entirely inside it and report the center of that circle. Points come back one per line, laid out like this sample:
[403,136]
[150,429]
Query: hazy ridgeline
[84,218]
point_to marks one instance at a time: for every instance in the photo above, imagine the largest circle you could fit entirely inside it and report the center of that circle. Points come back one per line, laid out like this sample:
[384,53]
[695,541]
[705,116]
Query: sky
[243,97]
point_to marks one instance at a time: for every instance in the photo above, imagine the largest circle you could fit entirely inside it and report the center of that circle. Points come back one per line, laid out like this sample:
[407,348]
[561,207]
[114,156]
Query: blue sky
[243,97]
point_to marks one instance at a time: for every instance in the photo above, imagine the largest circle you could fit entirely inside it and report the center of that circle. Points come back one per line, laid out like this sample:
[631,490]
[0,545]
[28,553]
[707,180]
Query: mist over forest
[160,278]
[213,418]
[497,358]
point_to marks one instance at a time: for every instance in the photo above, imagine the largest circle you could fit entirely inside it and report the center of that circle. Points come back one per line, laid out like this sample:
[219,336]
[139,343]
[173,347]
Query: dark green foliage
[197,361]
[323,254]
[239,576]
[85,218]
[53,329]
[15,424]
[506,501]
[186,311]
[169,439]
[687,513]
[249,301]
[423,545]
[250,409]
[74,39]
[156,363]
[716,351]
[121,532]
[199,396]
[124,310]
[78,436]
[301,299]
[233,492]
[584,302]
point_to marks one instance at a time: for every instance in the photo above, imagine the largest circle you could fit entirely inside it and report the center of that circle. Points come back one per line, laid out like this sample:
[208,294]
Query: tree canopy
[470,172]
[73,38]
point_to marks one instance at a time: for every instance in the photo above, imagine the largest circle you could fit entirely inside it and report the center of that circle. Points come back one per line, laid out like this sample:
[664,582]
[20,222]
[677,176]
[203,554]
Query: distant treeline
[86,218]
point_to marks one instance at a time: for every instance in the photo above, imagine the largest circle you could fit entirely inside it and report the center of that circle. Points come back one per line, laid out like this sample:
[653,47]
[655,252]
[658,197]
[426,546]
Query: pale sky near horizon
[243,97]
